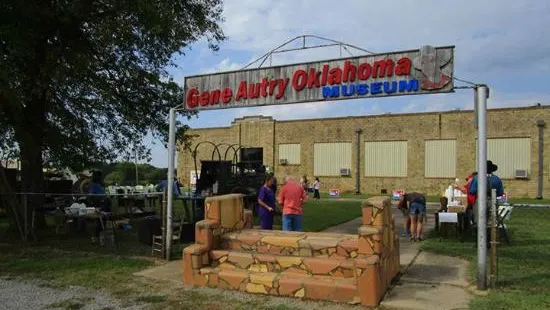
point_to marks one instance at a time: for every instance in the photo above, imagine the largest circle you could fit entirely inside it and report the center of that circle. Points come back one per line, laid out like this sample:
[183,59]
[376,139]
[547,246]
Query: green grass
[70,304]
[529,201]
[64,268]
[324,213]
[523,266]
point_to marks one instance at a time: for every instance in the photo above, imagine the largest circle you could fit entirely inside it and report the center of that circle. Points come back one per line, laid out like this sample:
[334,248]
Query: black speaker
[148,227]
[11,176]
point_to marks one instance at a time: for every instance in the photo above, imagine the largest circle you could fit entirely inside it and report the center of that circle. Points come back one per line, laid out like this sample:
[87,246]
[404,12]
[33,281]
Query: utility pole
[482,95]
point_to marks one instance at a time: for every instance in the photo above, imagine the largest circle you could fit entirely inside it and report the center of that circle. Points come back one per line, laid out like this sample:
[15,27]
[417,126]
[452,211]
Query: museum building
[422,152]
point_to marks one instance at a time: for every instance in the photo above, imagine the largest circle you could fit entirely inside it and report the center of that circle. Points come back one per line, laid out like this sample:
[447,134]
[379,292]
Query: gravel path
[18,294]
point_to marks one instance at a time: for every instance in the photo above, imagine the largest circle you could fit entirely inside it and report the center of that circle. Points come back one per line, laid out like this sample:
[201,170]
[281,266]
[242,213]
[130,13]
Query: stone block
[366,216]
[370,287]
[204,234]
[212,211]
[217,254]
[318,289]
[321,266]
[213,280]
[226,209]
[366,245]
[263,279]
[233,278]
[199,279]
[288,285]
[265,258]
[187,266]
[288,261]
[317,244]
[349,244]
[258,268]
[366,230]
[248,238]
[241,260]
[255,288]
[294,271]
[282,241]
[345,293]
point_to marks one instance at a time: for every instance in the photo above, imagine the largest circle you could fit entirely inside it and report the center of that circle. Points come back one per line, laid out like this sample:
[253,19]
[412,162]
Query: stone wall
[322,266]
[415,128]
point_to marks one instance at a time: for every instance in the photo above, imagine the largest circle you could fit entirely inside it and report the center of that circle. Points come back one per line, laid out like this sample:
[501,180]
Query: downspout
[273,146]
[358,132]
[540,124]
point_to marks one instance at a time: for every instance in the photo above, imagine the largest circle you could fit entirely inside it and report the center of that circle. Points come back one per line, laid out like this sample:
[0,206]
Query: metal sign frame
[481,94]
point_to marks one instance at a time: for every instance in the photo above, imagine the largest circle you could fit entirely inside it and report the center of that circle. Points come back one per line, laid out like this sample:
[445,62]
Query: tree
[81,80]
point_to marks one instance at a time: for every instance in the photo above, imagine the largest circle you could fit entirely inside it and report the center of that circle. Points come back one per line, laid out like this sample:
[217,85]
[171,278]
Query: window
[386,159]
[329,158]
[290,152]
[440,159]
[510,154]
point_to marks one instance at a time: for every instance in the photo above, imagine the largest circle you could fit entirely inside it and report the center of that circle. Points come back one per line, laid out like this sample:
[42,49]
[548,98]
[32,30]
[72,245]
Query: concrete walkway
[428,281]
[171,271]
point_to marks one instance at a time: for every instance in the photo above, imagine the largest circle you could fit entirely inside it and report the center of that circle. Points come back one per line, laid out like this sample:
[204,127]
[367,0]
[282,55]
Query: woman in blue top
[266,204]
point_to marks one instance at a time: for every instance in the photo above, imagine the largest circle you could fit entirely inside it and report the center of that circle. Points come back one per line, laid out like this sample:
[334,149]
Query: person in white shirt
[316,188]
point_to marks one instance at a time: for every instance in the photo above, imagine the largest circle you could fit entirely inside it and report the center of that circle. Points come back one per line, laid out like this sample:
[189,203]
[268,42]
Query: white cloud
[225,65]
[488,35]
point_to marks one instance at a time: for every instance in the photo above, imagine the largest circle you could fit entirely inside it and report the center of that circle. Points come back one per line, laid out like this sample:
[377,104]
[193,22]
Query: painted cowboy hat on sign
[491,167]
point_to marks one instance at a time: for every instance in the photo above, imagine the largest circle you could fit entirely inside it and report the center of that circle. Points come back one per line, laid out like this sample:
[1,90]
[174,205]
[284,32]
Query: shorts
[416,208]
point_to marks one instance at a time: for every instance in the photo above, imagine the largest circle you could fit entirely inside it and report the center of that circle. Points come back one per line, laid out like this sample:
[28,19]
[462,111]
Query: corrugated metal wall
[290,152]
[510,154]
[386,159]
[440,159]
[329,158]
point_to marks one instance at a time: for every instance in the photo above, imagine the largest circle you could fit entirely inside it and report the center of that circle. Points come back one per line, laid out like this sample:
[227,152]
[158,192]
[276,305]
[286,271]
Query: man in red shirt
[292,197]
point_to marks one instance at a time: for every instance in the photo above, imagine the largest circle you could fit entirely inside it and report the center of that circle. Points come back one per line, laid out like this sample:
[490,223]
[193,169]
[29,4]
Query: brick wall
[265,132]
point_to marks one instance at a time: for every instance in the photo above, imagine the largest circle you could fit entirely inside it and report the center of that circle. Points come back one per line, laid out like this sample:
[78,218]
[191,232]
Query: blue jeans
[416,208]
[292,222]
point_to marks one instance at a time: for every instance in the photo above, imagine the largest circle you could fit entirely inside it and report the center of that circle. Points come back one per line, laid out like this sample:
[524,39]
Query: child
[316,188]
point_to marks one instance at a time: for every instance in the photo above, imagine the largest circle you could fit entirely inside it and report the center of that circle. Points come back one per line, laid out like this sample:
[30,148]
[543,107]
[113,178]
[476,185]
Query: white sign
[425,70]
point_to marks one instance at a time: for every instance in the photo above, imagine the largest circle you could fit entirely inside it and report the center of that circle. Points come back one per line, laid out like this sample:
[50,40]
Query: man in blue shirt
[164,185]
[494,181]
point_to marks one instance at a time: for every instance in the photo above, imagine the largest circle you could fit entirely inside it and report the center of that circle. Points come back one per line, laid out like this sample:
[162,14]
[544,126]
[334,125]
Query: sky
[504,44]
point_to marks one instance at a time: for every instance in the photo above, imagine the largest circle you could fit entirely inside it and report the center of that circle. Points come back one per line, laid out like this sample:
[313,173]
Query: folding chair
[157,246]
[503,214]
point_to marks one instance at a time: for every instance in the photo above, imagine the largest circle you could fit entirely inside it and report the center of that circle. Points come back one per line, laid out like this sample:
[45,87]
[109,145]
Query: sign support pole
[482,94]
[170,189]
[476,116]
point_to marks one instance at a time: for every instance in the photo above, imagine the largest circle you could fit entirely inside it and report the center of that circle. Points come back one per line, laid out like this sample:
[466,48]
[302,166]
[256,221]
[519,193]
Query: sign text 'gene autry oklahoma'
[427,70]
